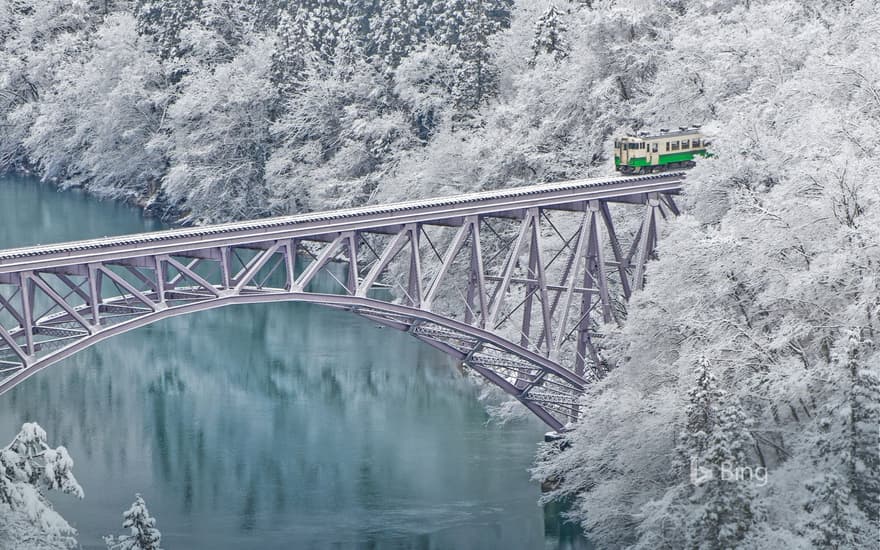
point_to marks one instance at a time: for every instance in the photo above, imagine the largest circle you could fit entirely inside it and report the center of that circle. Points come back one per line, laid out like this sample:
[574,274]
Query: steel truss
[515,284]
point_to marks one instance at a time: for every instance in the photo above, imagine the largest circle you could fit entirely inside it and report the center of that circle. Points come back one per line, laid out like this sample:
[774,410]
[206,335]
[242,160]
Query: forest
[755,340]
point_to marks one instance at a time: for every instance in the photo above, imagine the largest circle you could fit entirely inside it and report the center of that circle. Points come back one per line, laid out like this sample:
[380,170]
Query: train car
[666,150]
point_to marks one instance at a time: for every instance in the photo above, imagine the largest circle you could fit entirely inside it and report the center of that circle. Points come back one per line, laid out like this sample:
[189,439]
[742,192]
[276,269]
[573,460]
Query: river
[272,426]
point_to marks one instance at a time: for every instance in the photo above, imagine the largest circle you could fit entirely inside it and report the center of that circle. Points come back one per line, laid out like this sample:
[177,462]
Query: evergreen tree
[701,414]
[143,534]
[232,24]
[163,20]
[28,466]
[29,459]
[833,521]
[466,26]
[331,29]
[288,58]
[550,36]
[864,430]
[725,513]
[400,27]
[714,446]
[842,506]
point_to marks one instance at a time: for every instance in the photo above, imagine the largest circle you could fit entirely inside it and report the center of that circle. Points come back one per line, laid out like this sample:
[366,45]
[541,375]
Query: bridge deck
[447,209]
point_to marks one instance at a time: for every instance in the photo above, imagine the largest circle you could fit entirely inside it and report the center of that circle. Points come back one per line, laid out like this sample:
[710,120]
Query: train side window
[617,145]
[654,148]
[695,143]
[675,146]
[685,144]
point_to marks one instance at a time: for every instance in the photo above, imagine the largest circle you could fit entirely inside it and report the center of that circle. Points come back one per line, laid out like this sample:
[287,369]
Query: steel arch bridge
[514,283]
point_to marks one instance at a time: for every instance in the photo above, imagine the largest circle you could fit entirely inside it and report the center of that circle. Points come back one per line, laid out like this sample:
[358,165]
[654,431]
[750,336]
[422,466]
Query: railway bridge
[516,284]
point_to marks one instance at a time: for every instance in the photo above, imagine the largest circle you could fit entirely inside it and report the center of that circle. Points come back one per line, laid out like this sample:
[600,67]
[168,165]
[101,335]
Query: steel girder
[515,284]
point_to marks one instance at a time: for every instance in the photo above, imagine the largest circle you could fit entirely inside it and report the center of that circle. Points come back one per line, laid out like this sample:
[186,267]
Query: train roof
[661,135]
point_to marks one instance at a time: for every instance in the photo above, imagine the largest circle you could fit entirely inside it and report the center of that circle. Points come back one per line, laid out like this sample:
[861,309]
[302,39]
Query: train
[645,153]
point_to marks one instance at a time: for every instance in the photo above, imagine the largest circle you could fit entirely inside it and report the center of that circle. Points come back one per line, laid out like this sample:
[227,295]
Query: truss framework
[517,292]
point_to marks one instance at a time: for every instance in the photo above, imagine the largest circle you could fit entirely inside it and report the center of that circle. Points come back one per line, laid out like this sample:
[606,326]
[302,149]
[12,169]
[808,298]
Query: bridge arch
[512,368]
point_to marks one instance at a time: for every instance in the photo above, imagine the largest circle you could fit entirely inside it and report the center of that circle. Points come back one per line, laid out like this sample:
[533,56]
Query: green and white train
[667,150]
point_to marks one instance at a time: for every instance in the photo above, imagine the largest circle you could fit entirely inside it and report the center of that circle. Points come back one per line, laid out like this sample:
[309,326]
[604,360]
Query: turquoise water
[272,426]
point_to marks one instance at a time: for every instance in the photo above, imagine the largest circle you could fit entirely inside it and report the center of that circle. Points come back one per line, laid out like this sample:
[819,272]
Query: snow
[143,534]
[30,467]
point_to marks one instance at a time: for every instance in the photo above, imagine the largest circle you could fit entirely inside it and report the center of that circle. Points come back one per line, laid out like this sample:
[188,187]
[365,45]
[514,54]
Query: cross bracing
[516,284]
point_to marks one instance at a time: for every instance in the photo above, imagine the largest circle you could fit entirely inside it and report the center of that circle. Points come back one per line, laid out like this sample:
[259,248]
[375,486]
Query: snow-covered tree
[220,139]
[332,29]
[37,42]
[467,27]
[163,22]
[709,506]
[550,36]
[95,125]
[832,518]
[701,415]
[288,59]
[843,489]
[724,512]
[28,467]
[335,138]
[400,28]
[864,427]
[425,83]
[142,535]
